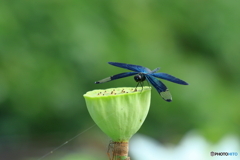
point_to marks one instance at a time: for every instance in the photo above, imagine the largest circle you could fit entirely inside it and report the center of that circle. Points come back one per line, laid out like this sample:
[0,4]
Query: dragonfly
[141,74]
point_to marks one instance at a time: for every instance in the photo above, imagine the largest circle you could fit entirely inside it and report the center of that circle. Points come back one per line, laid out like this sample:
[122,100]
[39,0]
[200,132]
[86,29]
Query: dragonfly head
[140,77]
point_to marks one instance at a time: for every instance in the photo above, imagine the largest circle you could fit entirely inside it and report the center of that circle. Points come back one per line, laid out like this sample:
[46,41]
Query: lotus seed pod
[119,112]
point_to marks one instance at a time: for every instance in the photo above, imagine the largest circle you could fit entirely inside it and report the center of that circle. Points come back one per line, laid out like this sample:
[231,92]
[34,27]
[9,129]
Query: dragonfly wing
[160,87]
[155,70]
[117,76]
[132,67]
[169,78]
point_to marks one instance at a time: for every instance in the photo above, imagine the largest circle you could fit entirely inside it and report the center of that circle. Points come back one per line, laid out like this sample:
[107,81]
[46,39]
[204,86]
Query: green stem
[122,158]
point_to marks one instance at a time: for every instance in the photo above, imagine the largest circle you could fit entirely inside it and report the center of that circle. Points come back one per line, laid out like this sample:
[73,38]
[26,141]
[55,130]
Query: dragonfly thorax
[140,77]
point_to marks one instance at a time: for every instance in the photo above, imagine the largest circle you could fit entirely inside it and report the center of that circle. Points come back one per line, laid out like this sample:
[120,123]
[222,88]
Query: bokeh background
[52,52]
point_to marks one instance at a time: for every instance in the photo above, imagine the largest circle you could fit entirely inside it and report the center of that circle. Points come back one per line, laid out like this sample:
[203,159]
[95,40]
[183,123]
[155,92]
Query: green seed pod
[119,112]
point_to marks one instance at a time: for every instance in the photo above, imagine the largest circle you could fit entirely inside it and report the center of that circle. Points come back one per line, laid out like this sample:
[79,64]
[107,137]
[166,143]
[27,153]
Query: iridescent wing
[117,76]
[160,87]
[131,67]
[169,78]
[155,70]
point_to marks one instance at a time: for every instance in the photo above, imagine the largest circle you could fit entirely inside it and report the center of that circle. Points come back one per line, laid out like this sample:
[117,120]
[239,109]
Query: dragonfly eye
[139,78]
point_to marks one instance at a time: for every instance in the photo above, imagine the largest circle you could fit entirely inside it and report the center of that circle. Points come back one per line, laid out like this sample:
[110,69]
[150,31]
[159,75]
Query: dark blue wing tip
[182,82]
[168,100]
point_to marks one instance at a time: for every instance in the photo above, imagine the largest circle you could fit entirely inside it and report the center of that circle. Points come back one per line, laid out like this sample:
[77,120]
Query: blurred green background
[52,52]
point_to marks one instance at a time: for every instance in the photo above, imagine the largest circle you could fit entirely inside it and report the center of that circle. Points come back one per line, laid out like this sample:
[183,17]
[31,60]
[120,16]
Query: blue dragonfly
[141,74]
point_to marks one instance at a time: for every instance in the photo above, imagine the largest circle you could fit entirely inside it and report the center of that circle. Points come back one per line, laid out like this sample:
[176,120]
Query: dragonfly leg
[137,86]
[142,83]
